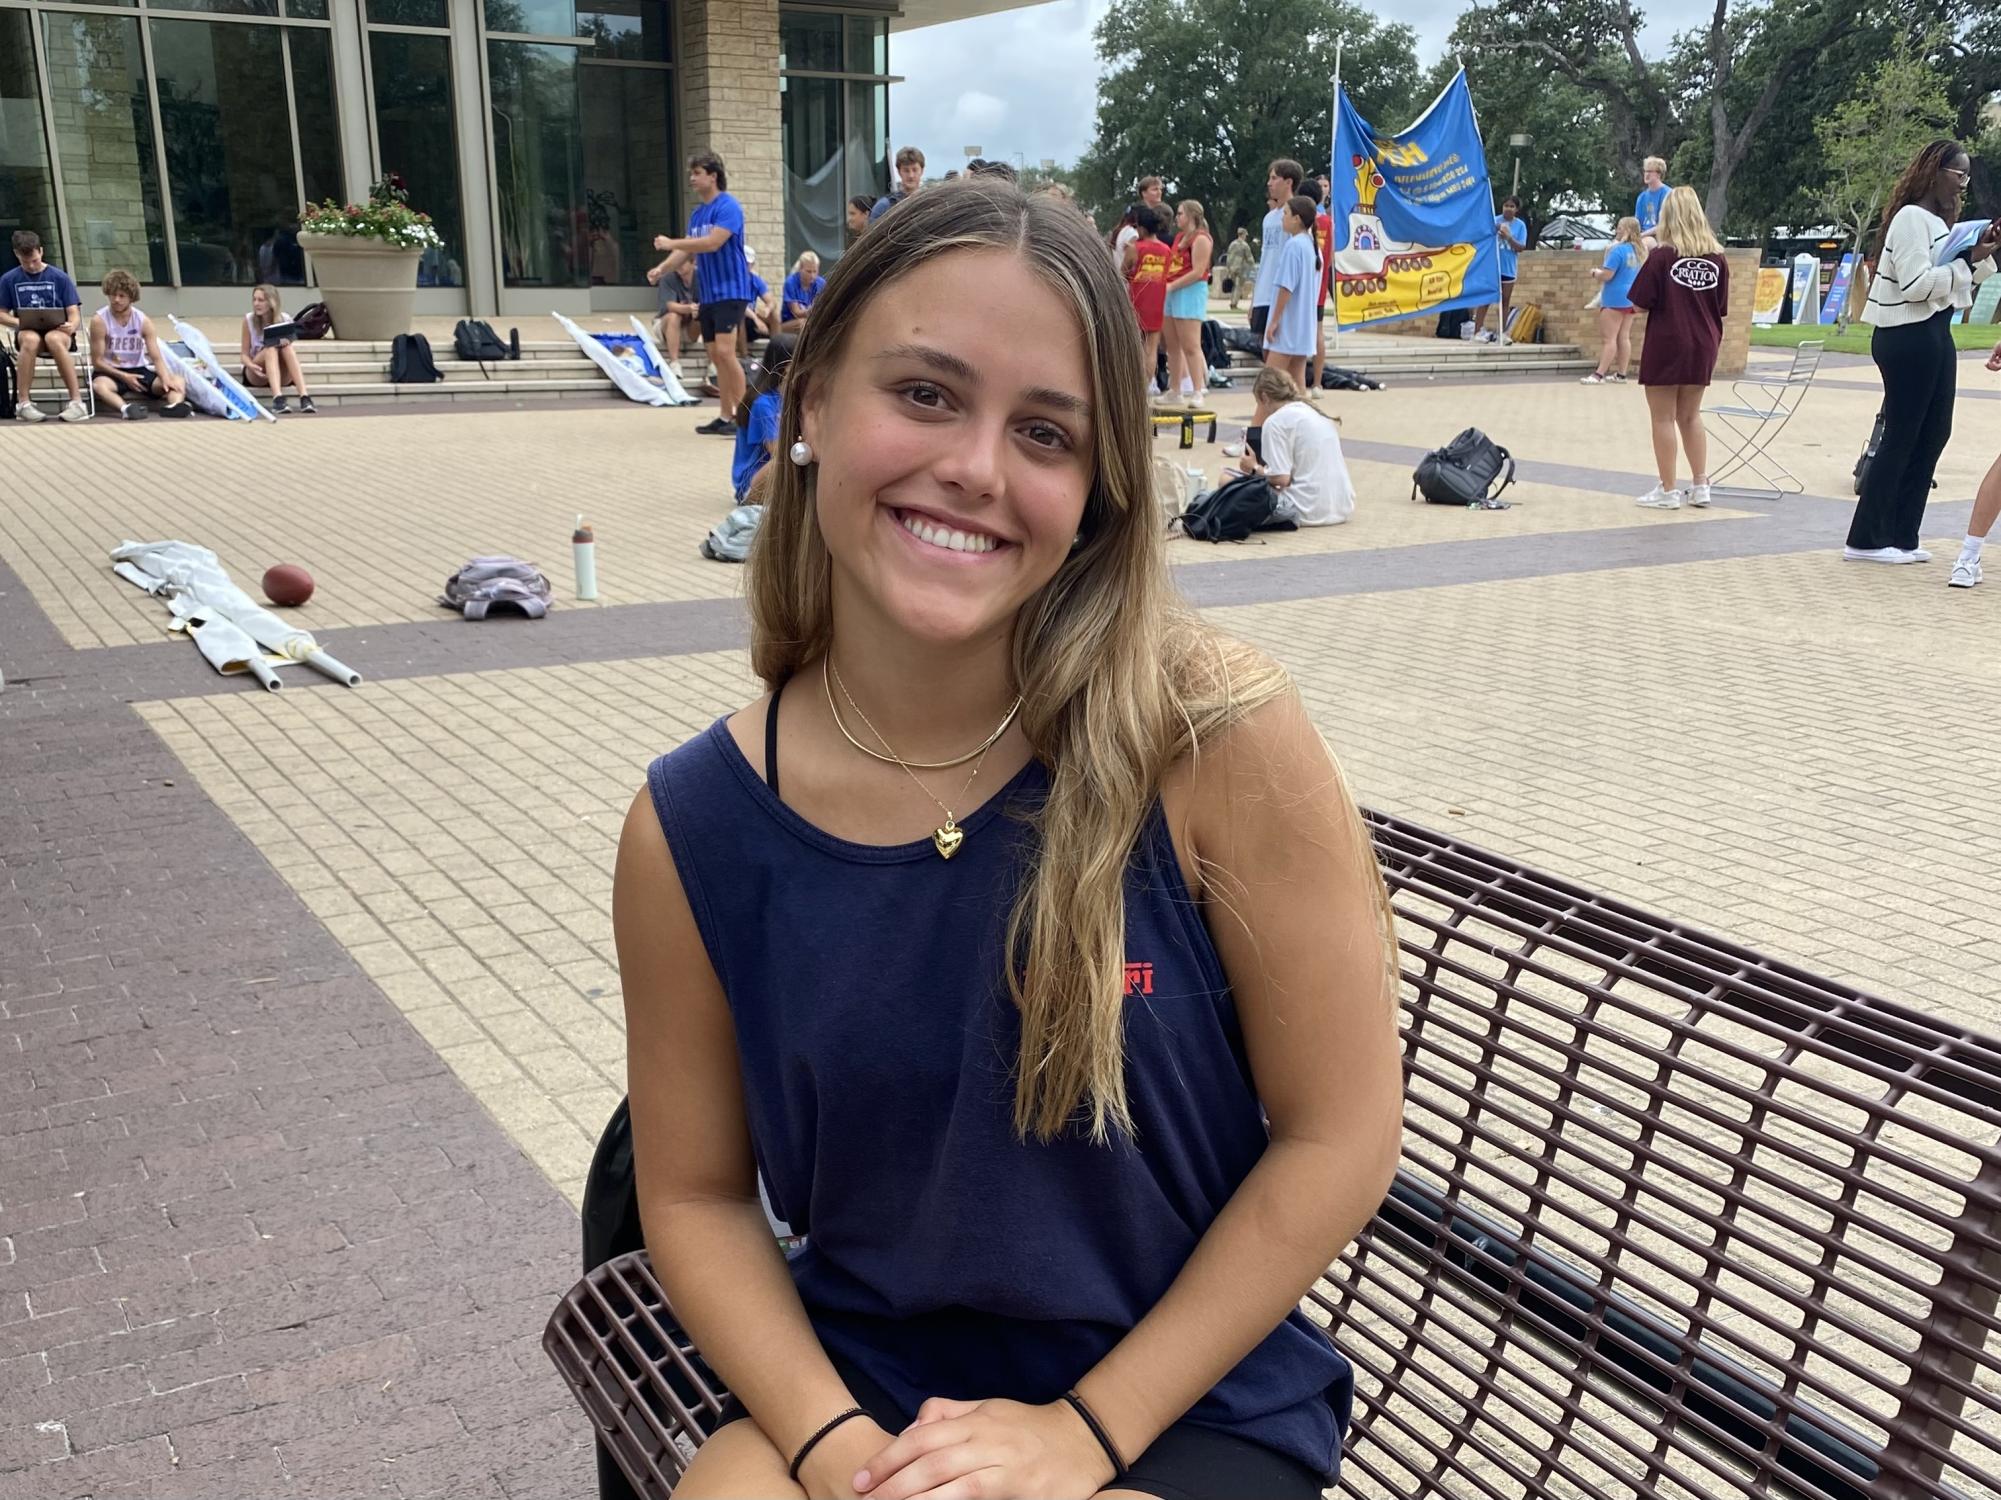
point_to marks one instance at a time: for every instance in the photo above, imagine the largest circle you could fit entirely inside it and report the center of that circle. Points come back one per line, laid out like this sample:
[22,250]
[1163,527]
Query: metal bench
[1675,1219]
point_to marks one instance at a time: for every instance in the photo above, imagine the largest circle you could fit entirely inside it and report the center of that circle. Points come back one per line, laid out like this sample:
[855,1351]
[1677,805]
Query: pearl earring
[802,453]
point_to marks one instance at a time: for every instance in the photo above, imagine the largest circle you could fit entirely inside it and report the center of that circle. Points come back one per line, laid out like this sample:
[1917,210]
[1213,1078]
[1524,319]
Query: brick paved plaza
[309,1012]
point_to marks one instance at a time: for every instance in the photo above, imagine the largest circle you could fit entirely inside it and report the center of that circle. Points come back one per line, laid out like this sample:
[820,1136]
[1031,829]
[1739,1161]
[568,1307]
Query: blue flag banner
[1413,214]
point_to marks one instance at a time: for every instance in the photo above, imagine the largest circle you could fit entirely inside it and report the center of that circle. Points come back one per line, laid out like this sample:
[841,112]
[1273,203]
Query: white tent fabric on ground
[242,405]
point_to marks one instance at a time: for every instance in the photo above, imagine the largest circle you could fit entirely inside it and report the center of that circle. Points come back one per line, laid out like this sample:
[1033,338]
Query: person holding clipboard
[1925,273]
[270,359]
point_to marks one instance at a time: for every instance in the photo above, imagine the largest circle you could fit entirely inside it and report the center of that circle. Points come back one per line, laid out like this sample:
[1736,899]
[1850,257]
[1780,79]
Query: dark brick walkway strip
[255,1240]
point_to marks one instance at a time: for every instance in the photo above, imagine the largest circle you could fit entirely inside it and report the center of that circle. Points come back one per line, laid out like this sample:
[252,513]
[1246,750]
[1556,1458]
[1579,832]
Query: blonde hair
[274,310]
[1274,387]
[804,256]
[1118,678]
[1654,164]
[1685,226]
[1196,216]
[1628,233]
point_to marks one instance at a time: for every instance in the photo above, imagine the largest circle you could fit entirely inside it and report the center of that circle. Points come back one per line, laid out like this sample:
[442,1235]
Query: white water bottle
[584,550]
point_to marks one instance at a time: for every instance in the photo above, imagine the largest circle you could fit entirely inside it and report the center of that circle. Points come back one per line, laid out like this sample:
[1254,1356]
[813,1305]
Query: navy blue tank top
[944,1256]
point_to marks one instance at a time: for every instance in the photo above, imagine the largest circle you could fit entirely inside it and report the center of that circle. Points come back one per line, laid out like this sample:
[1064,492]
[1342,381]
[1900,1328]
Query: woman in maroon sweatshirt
[1685,289]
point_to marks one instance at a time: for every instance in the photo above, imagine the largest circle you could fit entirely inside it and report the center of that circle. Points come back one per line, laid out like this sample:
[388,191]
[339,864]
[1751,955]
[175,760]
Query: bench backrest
[1675,1219]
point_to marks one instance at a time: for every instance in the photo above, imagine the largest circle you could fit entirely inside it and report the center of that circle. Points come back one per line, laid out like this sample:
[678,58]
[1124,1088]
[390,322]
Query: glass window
[536,17]
[538,169]
[631,30]
[412,77]
[816,194]
[630,170]
[221,7]
[104,139]
[868,138]
[868,45]
[229,170]
[407,12]
[809,39]
[319,124]
[27,186]
[307,10]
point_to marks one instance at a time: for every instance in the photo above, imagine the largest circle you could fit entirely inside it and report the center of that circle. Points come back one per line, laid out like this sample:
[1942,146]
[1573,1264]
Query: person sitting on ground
[909,178]
[269,364]
[125,357]
[680,307]
[43,307]
[801,287]
[1078,1094]
[757,419]
[1299,453]
[858,211]
[1616,313]
[1289,327]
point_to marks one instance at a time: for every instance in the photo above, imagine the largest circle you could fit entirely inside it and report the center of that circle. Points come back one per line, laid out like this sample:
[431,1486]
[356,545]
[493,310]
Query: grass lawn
[1981,336]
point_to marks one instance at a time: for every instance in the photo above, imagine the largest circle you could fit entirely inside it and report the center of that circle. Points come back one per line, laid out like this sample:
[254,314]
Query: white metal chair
[1763,407]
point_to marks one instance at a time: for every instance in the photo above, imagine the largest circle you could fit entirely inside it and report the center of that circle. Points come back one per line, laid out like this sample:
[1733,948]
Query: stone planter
[370,288]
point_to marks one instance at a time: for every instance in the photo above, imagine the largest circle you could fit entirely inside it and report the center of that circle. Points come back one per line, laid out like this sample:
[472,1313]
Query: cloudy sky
[1025,81]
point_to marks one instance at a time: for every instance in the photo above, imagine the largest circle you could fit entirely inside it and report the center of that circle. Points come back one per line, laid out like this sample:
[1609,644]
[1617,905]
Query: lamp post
[1520,143]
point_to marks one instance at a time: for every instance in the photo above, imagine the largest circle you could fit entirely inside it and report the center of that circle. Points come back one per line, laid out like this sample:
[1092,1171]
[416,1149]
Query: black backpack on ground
[1463,471]
[474,339]
[1233,512]
[410,361]
[1215,353]
[1335,378]
[1241,341]
[314,321]
[1451,321]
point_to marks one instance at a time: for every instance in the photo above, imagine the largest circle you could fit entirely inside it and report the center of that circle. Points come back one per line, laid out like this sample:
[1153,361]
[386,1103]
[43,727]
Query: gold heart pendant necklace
[947,839]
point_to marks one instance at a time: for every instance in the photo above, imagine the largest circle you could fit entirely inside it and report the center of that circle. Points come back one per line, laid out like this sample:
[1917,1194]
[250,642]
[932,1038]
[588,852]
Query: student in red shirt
[1147,284]
[1317,188]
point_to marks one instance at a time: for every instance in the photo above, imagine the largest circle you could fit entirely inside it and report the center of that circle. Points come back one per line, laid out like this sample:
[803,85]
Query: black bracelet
[1119,1470]
[807,1447]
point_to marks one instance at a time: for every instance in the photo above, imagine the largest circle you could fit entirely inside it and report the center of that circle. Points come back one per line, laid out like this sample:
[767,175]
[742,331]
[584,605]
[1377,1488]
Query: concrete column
[357,154]
[730,105]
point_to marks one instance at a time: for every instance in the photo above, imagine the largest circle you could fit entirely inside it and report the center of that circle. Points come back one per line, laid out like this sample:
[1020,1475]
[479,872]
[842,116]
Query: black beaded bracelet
[1091,1421]
[807,1447]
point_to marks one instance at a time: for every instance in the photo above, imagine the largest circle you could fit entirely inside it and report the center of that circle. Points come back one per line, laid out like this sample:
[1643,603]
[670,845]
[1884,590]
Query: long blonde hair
[1685,226]
[274,310]
[1119,680]
[1627,232]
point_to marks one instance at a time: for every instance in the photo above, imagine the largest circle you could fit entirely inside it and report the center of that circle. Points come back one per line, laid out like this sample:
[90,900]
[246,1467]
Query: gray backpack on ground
[488,583]
[730,541]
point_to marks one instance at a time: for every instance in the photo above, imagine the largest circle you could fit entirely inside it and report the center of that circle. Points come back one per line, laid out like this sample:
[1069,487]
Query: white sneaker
[1594,378]
[1660,499]
[1891,555]
[1965,573]
[1506,342]
[75,412]
[27,411]
[1698,496]
[1919,554]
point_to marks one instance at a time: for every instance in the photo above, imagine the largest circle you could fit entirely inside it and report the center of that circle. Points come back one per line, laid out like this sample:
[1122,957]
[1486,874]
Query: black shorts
[1320,312]
[719,318]
[149,378]
[1258,317]
[1186,1462]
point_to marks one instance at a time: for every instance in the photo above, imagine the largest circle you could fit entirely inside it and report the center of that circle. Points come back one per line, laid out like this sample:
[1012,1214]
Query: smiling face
[954,456]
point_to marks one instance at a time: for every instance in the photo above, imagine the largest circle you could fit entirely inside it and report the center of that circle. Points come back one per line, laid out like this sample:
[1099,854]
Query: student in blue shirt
[722,276]
[757,418]
[35,286]
[1513,237]
[1294,287]
[1616,311]
[801,287]
[1653,198]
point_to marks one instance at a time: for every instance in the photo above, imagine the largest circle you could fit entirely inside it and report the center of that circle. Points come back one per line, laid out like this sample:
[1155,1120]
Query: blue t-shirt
[1513,236]
[723,275]
[751,437]
[1298,273]
[1265,289]
[799,292]
[48,289]
[1623,261]
[1647,207]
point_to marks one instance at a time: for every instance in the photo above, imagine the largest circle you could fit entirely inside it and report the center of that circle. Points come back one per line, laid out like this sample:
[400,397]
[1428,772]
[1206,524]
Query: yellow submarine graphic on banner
[1376,277]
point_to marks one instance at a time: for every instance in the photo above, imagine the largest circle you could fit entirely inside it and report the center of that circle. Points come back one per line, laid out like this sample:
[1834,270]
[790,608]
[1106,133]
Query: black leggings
[1920,371]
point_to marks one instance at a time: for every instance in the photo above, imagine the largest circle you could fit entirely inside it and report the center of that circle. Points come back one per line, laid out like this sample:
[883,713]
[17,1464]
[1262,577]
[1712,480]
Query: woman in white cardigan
[1912,302]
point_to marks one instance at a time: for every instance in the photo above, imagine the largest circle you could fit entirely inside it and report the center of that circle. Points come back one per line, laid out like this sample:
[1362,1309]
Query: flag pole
[1333,176]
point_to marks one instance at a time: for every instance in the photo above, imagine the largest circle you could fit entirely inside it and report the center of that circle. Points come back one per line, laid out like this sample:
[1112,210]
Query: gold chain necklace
[948,838]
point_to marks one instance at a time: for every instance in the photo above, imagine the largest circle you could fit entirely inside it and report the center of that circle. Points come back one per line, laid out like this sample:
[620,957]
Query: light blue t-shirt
[1623,261]
[752,439]
[1296,272]
[1513,236]
[1266,286]
[1647,207]
[722,274]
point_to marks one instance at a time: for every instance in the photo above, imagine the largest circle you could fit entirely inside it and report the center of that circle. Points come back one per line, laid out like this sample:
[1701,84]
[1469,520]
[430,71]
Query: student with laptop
[41,304]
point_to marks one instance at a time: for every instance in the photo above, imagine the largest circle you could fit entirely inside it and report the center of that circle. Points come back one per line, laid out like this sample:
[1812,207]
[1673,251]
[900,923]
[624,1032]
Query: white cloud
[1038,73]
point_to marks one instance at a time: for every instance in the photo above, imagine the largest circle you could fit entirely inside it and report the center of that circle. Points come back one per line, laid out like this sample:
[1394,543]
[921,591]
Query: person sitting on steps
[272,364]
[125,356]
[35,292]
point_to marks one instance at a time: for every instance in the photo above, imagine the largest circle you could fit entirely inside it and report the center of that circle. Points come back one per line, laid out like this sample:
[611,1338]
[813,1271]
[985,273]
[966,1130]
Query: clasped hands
[963,1450]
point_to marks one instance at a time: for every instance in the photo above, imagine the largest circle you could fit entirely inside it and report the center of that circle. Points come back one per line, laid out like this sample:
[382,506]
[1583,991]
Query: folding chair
[45,368]
[1763,408]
